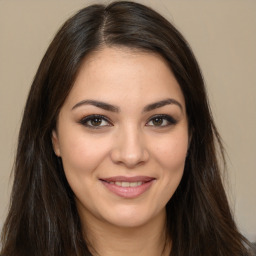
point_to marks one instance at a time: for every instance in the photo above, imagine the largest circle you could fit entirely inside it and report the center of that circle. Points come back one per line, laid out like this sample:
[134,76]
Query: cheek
[171,152]
[171,156]
[81,154]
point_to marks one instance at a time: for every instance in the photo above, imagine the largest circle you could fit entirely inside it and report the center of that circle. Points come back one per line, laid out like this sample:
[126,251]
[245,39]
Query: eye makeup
[95,121]
[161,120]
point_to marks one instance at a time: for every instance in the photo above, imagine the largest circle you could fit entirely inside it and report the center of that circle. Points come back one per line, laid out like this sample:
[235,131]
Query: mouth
[128,187]
[126,184]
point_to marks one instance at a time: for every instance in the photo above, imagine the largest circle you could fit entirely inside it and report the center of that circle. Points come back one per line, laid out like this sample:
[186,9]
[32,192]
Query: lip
[128,192]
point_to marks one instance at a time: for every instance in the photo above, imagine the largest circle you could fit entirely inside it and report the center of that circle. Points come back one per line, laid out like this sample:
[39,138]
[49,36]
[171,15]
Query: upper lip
[128,179]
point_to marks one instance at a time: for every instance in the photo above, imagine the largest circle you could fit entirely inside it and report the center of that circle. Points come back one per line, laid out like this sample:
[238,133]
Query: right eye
[95,121]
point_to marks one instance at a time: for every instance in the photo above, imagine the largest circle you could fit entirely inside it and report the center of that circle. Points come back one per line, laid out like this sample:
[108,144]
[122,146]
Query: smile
[126,184]
[128,187]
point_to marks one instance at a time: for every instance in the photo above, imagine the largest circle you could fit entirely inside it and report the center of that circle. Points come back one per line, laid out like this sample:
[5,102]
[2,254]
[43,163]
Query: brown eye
[158,121]
[95,121]
[161,121]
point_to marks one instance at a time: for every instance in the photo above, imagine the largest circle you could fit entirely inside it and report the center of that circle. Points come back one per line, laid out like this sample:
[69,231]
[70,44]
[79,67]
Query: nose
[130,148]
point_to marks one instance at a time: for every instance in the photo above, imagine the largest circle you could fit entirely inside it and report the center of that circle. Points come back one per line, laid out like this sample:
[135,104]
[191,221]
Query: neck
[149,239]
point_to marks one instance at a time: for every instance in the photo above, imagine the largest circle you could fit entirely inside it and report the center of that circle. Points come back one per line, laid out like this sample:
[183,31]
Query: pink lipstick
[128,187]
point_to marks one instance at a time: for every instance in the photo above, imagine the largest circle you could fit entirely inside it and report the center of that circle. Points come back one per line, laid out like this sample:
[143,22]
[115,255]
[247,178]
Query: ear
[55,143]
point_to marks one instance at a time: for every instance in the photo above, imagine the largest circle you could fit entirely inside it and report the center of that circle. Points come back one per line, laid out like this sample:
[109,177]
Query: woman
[117,151]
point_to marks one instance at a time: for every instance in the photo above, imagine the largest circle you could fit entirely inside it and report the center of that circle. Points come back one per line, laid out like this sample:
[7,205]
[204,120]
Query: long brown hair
[43,218]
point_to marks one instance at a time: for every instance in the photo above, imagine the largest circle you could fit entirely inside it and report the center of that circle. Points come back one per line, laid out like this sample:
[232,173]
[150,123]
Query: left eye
[95,121]
[161,121]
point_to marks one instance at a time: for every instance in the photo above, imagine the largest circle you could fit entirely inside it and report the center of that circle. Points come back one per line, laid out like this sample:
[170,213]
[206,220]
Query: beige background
[223,37]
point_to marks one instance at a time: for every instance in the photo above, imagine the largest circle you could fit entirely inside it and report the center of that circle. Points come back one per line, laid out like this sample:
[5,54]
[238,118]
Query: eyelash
[84,121]
[169,119]
[90,118]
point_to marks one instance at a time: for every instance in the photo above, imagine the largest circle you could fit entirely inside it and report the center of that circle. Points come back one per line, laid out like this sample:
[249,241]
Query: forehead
[125,75]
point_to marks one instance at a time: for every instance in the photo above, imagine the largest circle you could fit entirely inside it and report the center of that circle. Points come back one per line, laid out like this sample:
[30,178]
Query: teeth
[135,184]
[126,184]
[118,183]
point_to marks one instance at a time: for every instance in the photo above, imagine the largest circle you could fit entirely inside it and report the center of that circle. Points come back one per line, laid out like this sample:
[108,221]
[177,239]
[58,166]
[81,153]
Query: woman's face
[122,134]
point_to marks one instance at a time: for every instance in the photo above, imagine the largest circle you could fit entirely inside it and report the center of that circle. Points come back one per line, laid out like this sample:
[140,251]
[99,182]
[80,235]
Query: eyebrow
[162,103]
[112,108]
[98,104]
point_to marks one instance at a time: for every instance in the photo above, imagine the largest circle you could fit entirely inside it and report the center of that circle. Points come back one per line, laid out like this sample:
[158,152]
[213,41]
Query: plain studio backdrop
[222,35]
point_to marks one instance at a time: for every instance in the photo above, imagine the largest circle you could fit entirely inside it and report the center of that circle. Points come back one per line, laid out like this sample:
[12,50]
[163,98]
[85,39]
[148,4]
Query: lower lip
[128,192]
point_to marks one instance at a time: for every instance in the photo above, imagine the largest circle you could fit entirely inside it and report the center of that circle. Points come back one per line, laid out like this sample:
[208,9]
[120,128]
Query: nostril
[129,159]
[130,148]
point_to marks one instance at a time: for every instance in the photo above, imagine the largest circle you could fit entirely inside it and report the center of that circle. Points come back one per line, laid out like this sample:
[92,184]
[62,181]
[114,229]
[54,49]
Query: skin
[130,142]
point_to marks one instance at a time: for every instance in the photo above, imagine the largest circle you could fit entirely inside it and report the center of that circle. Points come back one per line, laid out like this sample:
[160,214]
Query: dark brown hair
[43,218]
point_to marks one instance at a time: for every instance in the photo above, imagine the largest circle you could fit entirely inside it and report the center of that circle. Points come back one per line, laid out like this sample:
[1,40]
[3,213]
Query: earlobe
[55,143]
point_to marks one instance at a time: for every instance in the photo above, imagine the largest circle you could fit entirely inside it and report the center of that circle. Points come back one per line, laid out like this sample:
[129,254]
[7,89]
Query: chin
[129,221]
[127,217]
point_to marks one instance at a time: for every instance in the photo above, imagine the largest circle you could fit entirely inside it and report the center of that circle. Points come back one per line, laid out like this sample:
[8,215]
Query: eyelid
[85,119]
[171,120]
